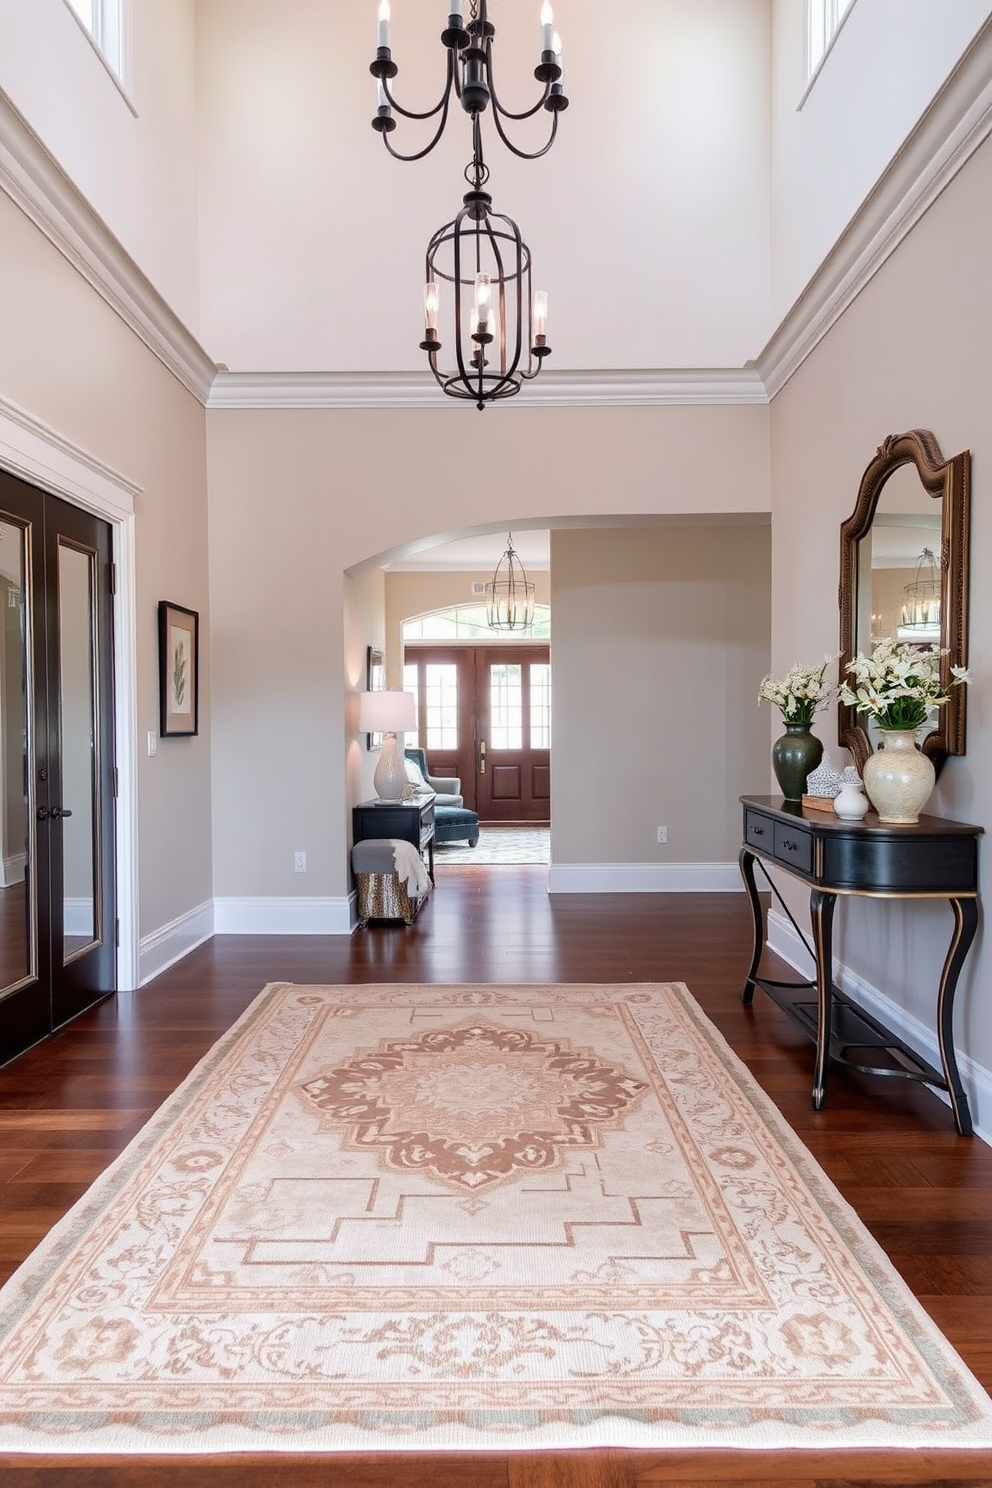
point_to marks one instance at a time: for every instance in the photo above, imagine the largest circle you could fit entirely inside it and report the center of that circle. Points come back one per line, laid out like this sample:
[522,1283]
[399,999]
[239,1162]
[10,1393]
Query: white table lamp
[390,714]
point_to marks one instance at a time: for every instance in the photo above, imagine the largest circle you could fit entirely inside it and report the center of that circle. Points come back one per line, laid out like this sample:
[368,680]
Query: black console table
[934,859]
[412,821]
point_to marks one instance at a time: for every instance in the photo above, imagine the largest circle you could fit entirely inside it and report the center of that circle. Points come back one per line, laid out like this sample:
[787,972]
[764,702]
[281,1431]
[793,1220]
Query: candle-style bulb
[383,33]
[483,299]
[547,27]
[432,299]
[540,312]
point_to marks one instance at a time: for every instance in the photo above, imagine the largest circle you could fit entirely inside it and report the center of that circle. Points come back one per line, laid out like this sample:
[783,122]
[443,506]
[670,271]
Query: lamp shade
[385,712]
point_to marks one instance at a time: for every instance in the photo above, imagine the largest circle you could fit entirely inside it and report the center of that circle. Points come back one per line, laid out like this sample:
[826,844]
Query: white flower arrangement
[799,693]
[899,685]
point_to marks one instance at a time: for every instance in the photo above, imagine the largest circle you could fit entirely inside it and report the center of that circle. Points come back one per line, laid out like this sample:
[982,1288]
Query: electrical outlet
[299,862]
[152,742]
[662,834]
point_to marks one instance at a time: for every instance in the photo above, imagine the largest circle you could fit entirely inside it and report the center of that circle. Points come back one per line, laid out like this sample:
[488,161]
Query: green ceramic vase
[793,757]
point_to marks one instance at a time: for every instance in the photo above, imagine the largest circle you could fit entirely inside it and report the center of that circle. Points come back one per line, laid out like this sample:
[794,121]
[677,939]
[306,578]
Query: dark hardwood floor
[70,1105]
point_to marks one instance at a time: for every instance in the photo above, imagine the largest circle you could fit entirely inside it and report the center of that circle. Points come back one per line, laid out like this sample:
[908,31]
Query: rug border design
[300,1424]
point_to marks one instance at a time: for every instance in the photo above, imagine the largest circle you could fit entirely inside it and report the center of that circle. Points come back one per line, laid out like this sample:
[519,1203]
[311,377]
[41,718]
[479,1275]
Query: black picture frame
[375,681]
[178,670]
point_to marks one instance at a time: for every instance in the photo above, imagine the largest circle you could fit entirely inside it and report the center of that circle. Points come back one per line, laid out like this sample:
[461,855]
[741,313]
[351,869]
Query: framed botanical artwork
[178,669]
[375,681]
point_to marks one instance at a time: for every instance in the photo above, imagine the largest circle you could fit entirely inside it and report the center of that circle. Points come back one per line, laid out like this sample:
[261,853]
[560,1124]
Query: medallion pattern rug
[393,1217]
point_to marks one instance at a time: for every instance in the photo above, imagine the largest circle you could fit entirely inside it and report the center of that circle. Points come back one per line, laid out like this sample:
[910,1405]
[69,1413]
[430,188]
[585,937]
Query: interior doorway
[58,911]
[484,714]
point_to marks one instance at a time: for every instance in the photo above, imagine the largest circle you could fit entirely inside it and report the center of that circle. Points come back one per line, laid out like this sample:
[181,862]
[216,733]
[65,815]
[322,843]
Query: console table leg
[746,860]
[965,925]
[821,910]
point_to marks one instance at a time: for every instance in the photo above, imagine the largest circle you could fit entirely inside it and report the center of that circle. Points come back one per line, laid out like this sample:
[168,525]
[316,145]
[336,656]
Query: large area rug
[404,1216]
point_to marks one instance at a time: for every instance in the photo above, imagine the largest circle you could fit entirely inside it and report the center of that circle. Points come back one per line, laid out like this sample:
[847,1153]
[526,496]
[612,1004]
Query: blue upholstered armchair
[447,788]
[453,822]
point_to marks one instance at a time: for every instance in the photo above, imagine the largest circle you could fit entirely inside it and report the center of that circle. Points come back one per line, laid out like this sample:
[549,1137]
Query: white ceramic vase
[899,778]
[851,803]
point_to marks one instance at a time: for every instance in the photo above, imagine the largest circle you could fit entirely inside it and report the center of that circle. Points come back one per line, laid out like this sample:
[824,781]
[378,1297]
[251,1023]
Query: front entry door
[57,879]
[513,718]
[484,714]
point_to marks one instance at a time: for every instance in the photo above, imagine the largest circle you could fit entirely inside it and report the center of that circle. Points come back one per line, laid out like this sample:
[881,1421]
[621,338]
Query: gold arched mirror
[904,574]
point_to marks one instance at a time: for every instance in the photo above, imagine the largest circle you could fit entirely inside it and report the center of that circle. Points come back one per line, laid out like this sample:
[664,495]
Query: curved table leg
[821,911]
[746,861]
[965,925]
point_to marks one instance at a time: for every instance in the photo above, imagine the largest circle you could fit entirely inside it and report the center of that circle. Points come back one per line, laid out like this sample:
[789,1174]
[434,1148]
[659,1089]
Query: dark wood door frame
[63,973]
[466,760]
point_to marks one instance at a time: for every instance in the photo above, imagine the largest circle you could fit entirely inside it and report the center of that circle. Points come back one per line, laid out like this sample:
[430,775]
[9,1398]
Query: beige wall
[68,360]
[660,642]
[133,157]
[299,496]
[830,147]
[912,351]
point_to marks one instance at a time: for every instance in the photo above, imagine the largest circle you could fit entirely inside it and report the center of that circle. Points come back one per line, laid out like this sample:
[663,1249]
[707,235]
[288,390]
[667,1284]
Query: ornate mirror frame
[949,482]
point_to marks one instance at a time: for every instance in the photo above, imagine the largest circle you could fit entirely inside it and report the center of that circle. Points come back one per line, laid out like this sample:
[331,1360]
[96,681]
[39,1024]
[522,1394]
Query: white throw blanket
[410,868]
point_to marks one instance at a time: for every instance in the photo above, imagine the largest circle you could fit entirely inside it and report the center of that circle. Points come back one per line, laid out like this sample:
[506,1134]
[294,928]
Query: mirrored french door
[57,881]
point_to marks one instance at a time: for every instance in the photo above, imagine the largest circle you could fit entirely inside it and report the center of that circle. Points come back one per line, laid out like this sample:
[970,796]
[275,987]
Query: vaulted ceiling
[648,219]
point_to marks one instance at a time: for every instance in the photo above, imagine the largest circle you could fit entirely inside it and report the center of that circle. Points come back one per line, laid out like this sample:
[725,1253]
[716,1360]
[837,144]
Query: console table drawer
[790,845]
[793,847]
[759,832]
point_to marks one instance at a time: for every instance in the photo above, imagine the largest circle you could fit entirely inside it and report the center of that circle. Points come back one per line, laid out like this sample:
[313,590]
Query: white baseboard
[169,944]
[285,916]
[644,878]
[783,940]
[13,869]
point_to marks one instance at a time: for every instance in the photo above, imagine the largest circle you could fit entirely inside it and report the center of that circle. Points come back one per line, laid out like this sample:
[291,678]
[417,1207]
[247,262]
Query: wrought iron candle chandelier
[920,617]
[480,253]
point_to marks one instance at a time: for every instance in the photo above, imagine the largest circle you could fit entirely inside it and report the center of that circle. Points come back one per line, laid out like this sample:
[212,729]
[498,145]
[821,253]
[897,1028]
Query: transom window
[823,21]
[104,21]
[468,623]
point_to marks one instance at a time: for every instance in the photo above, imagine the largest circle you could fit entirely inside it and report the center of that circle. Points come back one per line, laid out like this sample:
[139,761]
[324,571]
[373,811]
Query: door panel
[57,906]
[513,713]
[442,678]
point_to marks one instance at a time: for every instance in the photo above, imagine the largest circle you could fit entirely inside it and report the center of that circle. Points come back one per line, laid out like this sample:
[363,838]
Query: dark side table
[934,859]
[412,821]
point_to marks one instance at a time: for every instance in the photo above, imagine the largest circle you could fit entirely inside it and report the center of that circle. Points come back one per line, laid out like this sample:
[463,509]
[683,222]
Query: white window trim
[826,51]
[110,40]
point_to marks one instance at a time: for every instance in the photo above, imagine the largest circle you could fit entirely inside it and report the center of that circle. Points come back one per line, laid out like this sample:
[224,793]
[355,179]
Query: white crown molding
[34,180]
[40,455]
[957,122]
[954,126]
[419,390]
